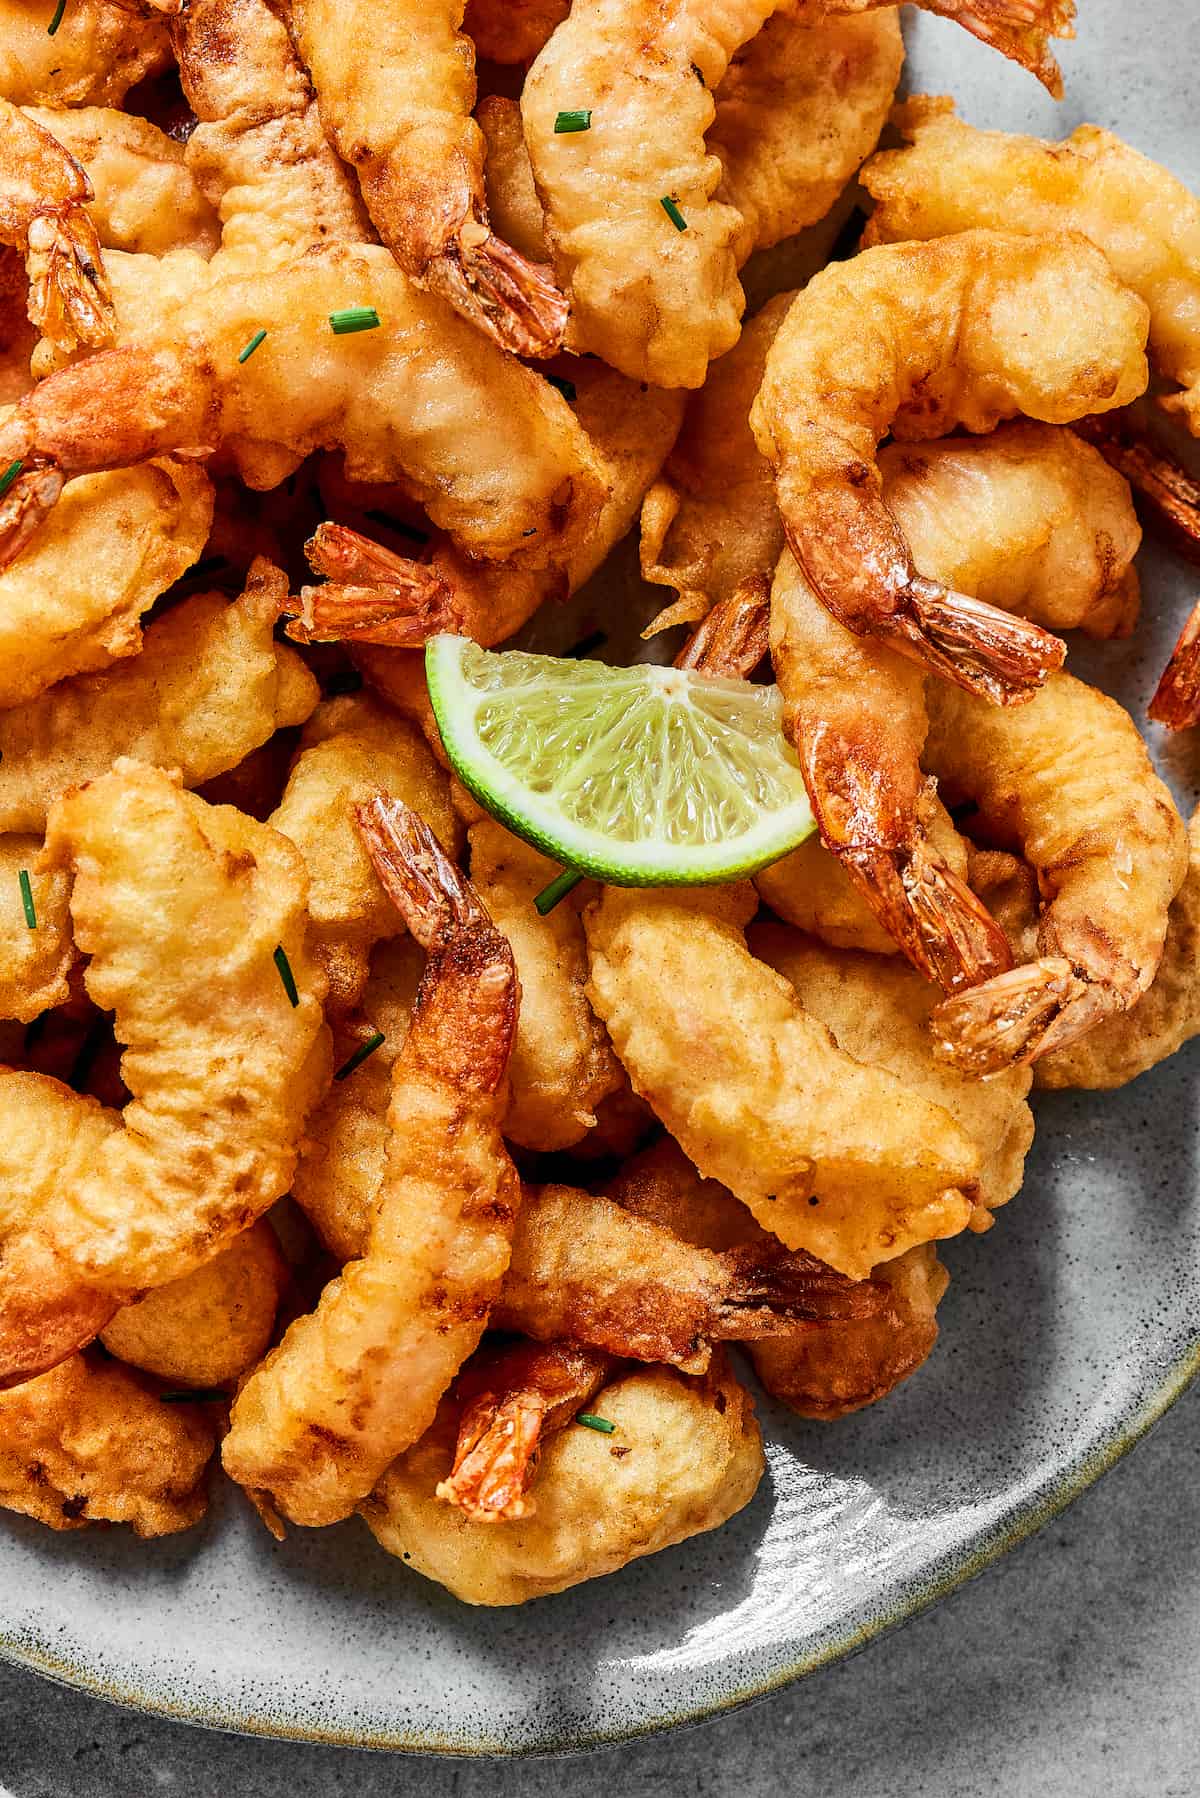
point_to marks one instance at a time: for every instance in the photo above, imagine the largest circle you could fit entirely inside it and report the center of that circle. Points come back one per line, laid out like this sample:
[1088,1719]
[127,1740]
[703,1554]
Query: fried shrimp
[401,116]
[352,748]
[145,198]
[757,1092]
[36,951]
[1068,782]
[953,177]
[513,1400]
[210,685]
[684,1455]
[89,1442]
[1021,30]
[488,447]
[356,1382]
[188,914]
[259,151]
[44,195]
[100,50]
[562,1062]
[917,338]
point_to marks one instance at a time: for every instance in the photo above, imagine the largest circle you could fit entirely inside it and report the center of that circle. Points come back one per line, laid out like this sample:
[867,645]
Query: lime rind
[536,739]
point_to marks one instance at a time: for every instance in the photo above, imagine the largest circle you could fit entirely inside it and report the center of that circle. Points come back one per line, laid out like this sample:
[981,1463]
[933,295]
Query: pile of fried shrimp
[327,1155]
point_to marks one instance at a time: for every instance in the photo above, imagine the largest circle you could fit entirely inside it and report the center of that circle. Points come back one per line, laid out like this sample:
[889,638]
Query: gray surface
[1071,1667]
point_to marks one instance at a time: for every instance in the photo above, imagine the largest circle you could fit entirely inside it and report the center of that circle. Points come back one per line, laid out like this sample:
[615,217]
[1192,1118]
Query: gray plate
[1066,1331]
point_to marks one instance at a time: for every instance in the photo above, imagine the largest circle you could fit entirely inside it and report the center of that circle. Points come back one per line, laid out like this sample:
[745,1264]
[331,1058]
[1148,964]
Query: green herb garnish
[286,975]
[354,318]
[566,122]
[9,476]
[590,1421]
[559,887]
[252,346]
[360,1055]
[673,213]
[57,20]
[27,898]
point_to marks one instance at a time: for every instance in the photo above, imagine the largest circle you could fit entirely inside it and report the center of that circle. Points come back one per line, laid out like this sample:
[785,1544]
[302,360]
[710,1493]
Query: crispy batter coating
[358,1380]
[115,542]
[512,197]
[756,1091]
[488,447]
[210,684]
[917,338]
[562,1061]
[146,199]
[88,1442]
[685,1456]
[100,50]
[352,748]
[952,177]
[402,117]
[879,1012]
[34,963]
[1161,1021]
[182,909]
[259,152]
[214,1324]
[1067,781]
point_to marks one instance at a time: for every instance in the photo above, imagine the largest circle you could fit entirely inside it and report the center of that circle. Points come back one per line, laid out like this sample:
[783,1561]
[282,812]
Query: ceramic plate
[1066,1331]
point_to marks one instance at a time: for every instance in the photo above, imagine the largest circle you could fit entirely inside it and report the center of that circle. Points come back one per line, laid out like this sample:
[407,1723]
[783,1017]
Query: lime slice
[640,776]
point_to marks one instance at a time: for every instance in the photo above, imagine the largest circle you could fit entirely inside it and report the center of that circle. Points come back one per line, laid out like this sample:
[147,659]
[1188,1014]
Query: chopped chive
[673,213]
[559,887]
[57,20]
[585,645]
[286,975]
[360,1055]
[566,388]
[399,526]
[252,346]
[9,476]
[590,1421]
[354,318]
[203,1395]
[27,898]
[698,72]
[579,120]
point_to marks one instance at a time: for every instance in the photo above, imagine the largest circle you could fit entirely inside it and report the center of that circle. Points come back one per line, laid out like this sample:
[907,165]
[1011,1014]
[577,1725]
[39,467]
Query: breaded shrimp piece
[953,177]
[652,299]
[183,910]
[372,596]
[879,1012]
[259,152]
[585,1270]
[1160,1022]
[401,116]
[1068,782]
[210,684]
[356,1382]
[352,748]
[35,959]
[113,544]
[89,1442]
[44,195]
[684,1456]
[512,198]
[18,338]
[211,1326]
[756,1091]
[917,338]
[562,1061]
[145,197]
[487,446]
[100,50]
[512,1401]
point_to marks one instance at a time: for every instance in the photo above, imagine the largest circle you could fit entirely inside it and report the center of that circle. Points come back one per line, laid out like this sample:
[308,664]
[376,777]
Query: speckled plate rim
[900,1603]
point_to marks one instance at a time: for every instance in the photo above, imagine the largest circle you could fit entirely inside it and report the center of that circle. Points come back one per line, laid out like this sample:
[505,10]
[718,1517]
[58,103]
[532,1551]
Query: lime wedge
[640,776]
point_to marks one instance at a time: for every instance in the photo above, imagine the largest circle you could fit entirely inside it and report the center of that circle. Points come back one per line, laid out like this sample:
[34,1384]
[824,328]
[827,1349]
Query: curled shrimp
[358,1380]
[1068,782]
[513,1401]
[953,177]
[917,338]
[489,447]
[100,50]
[44,195]
[402,117]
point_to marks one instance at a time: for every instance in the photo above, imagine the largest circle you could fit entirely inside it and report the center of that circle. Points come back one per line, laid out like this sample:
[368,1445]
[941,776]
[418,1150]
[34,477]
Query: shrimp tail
[947,933]
[370,595]
[70,301]
[435,899]
[28,500]
[1018,29]
[517,302]
[735,636]
[977,646]
[793,1287]
[1020,1016]
[1168,491]
[1176,701]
